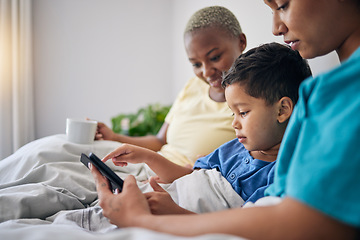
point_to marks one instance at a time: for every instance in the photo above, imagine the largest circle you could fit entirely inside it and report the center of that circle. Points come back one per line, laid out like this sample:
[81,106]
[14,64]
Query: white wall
[98,58]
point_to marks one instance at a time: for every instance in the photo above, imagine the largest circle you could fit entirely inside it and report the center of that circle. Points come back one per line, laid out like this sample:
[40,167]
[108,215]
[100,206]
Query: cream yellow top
[197,124]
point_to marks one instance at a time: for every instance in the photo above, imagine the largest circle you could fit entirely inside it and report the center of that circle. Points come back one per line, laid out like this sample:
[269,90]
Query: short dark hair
[270,72]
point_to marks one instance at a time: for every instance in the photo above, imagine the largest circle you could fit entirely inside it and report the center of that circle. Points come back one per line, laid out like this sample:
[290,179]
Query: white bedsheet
[45,191]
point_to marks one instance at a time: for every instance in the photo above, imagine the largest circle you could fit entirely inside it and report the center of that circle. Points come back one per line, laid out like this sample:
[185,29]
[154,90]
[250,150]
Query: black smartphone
[115,181]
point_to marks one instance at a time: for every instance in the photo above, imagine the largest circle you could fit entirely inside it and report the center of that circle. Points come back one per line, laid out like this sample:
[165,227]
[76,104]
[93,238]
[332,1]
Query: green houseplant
[147,120]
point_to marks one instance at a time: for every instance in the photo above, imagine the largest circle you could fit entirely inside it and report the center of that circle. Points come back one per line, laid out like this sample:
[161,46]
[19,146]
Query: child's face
[309,26]
[255,122]
[211,52]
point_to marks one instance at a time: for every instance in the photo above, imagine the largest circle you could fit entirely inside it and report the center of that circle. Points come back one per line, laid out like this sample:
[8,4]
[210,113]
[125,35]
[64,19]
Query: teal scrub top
[319,159]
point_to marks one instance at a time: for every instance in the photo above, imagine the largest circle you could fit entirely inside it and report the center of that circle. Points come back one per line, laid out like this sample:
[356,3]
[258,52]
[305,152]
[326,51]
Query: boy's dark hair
[270,72]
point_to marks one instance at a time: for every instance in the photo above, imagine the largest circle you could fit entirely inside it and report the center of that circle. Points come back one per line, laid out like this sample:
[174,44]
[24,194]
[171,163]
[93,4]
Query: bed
[45,191]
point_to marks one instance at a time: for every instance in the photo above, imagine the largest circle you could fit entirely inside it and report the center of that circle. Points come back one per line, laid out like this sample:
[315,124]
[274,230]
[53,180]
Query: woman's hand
[125,209]
[103,132]
[128,153]
[160,201]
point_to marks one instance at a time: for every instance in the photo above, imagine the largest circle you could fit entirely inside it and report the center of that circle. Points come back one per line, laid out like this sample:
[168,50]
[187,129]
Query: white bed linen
[46,192]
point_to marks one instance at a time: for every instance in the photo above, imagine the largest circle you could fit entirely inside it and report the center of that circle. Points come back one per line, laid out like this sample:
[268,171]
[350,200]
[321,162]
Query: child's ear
[286,107]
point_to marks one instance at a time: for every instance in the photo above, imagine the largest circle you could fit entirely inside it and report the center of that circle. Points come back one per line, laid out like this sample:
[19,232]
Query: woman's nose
[278,26]
[208,70]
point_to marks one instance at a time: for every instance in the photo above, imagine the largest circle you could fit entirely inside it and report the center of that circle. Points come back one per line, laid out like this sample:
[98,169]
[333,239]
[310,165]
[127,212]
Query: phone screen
[115,181]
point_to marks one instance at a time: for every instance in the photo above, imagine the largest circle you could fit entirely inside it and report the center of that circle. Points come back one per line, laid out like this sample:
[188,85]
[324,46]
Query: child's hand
[160,201]
[128,153]
[156,178]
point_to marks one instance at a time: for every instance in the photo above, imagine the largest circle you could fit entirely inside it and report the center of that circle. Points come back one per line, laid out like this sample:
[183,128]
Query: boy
[261,93]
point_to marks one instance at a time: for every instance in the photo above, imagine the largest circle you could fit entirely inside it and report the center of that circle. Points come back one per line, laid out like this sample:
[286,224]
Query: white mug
[80,130]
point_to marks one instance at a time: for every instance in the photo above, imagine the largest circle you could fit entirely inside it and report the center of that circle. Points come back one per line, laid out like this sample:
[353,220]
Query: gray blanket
[46,191]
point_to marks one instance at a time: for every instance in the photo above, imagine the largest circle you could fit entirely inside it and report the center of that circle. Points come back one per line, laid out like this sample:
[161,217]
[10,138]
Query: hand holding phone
[115,181]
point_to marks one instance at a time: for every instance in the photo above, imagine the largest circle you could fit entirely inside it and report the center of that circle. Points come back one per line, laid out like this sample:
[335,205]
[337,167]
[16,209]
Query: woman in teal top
[318,171]
[318,162]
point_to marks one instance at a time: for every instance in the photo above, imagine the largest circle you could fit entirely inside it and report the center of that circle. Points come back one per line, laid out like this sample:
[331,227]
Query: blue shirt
[318,161]
[248,176]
